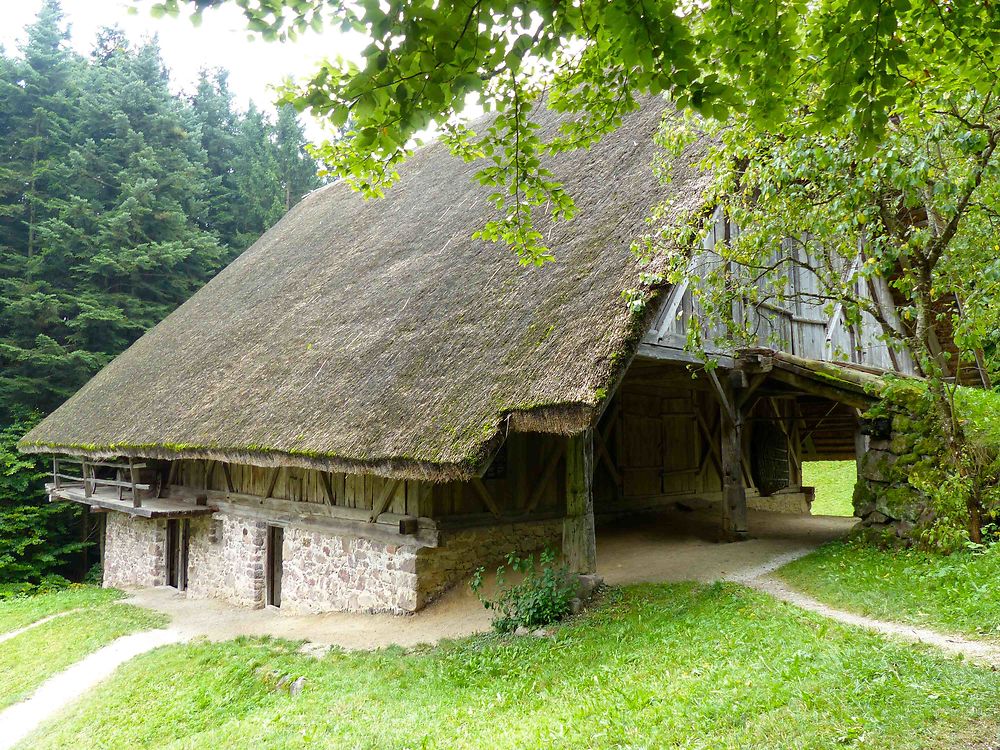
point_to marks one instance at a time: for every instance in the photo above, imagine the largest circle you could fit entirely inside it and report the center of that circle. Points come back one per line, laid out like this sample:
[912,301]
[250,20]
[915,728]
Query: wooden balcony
[115,486]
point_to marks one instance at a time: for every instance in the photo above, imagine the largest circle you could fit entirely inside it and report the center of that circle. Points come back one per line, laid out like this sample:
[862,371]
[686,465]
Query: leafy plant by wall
[542,596]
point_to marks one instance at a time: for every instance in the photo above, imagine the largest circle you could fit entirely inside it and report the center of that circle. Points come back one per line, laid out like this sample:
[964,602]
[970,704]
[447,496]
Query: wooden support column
[860,443]
[579,541]
[734,494]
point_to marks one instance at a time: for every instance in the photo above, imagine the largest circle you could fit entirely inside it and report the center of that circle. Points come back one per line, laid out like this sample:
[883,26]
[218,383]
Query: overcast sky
[221,41]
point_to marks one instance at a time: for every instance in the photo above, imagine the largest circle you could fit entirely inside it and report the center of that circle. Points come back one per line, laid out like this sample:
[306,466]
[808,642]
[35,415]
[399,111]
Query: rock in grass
[296,687]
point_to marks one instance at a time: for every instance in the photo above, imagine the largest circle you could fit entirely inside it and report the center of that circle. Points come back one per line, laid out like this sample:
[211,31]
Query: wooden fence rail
[91,483]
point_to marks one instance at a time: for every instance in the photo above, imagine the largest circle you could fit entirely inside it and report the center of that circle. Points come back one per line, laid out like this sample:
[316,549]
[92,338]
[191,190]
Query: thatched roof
[378,336]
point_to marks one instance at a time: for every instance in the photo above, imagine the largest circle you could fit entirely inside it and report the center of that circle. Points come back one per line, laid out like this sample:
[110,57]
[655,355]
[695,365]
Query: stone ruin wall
[880,500]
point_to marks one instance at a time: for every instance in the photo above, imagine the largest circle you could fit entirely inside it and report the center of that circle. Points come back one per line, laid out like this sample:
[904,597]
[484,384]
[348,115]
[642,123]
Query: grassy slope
[664,666]
[28,659]
[834,483]
[21,611]
[958,593]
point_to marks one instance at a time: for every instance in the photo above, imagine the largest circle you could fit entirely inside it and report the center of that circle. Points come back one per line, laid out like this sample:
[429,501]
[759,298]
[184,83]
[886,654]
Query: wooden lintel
[486,497]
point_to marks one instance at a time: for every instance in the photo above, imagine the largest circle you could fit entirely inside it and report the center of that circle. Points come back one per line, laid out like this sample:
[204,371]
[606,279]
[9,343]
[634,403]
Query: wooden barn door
[660,445]
[178,535]
[275,539]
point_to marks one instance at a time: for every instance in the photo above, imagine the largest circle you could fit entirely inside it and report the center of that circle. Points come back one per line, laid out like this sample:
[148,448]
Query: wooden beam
[229,477]
[734,494]
[814,388]
[486,497]
[382,502]
[579,539]
[546,477]
[327,487]
[274,481]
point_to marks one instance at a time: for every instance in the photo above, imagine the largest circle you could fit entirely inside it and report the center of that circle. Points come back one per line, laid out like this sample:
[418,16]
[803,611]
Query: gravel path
[979,652]
[19,720]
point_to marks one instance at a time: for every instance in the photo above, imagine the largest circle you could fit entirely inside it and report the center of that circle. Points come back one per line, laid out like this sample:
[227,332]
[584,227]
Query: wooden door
[178,535]
[275,539]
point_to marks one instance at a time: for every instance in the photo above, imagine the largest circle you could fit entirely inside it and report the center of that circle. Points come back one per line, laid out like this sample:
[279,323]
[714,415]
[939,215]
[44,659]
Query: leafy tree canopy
[863,61]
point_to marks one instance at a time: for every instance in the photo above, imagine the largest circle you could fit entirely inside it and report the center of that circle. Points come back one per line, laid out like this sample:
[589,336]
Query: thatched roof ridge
[377,336]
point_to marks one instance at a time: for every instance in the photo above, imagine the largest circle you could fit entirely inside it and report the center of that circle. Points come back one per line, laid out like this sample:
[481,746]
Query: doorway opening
[275,539]
[178,535]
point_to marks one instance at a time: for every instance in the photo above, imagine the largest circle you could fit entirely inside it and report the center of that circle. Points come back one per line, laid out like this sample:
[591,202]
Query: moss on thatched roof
[378,336]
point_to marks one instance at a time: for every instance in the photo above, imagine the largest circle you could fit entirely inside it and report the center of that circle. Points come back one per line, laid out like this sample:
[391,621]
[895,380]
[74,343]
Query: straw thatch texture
[378,336]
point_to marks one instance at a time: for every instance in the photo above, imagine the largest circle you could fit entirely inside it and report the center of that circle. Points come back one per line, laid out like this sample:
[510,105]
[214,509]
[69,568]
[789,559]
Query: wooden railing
[125,488]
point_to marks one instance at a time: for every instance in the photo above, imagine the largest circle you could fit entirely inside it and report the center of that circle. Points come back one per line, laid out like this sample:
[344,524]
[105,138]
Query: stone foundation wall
[465,550]
[135,552]
[320,572]
[226,559]
[323,572]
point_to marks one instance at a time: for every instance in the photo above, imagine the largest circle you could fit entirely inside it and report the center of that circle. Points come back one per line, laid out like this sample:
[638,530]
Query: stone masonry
[226,559]
[463,551]
[134,552]
[321,572]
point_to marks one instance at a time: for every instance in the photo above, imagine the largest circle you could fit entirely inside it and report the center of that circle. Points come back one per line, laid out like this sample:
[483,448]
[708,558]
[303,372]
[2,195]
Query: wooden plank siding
[528,485]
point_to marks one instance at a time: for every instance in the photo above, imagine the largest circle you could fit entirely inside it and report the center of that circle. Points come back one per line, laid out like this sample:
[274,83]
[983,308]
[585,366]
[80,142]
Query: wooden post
[579,540]
[734,494]
[860,443]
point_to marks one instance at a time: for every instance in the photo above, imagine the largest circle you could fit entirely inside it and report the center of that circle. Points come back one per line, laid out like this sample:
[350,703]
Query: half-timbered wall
[527,478]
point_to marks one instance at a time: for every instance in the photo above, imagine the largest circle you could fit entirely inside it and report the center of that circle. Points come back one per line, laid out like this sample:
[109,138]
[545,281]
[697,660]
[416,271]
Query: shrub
[541,597]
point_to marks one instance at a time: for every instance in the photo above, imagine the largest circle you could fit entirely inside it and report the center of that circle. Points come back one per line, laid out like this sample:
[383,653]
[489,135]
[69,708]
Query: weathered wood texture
[799,323]
[734,495]
[579,542]
[527,479]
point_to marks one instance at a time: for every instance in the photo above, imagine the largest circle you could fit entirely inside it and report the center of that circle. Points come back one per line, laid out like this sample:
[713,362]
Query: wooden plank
[547,473]
[379,506]
[327,488]
[486,497]
[579,542]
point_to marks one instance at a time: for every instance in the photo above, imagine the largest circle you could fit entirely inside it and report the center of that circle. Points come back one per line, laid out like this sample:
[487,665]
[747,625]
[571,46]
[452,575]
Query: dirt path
[678,546]
[978,652]
[35,624]
[19,720]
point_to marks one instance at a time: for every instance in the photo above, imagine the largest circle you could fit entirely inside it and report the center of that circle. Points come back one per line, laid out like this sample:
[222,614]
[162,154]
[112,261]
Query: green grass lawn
[28,659]
[834,483]
[681,665]
[24,610]
[958,593]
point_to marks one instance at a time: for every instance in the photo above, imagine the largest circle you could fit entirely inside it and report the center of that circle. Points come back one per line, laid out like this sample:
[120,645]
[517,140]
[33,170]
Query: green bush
[541,597]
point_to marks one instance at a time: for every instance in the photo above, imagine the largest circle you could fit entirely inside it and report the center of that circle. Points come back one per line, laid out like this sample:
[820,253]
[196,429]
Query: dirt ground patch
[665,546]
